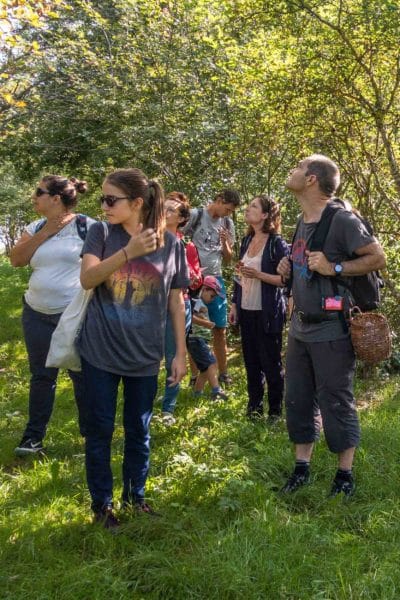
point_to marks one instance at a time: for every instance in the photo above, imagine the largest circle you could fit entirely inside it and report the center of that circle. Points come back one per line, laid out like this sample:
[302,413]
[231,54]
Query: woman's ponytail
[154,208]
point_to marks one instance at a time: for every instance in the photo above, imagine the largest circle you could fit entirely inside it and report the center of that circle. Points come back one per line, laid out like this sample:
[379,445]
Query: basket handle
[355,310]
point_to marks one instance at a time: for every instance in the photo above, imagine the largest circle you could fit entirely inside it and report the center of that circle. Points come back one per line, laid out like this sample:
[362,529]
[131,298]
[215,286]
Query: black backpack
[81,226]
[364,289]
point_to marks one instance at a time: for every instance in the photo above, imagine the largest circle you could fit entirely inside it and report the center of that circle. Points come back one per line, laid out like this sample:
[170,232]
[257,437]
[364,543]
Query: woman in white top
[52,247]
[259,306]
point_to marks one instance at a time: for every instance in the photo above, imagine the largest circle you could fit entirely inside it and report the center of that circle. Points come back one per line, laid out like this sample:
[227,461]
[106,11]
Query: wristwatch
[338,268]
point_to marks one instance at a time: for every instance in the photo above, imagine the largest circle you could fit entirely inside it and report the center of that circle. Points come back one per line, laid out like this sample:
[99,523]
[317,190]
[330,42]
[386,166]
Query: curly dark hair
[66,188]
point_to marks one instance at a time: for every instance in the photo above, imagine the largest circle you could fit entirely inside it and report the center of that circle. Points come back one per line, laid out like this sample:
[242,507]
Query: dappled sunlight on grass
[224,531]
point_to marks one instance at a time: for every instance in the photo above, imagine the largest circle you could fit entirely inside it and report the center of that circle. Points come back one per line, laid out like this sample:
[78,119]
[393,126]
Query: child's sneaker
[218,395]
[225,379]
[168,418]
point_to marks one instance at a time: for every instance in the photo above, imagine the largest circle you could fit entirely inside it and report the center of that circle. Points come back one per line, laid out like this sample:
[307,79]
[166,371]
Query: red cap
[212,282]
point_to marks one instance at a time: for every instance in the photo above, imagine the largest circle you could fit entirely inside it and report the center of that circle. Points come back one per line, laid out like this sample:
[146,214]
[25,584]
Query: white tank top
[251,288]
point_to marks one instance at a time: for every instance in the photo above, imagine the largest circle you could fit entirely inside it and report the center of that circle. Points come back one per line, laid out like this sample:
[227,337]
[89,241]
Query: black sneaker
[225,379]
[295,481]
[256,416]
[106,518]
[29,446]
[341,486]
[273,420]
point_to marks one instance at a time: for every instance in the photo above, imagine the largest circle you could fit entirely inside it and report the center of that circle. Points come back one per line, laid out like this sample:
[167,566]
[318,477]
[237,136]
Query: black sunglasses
[39,192]
[111,200]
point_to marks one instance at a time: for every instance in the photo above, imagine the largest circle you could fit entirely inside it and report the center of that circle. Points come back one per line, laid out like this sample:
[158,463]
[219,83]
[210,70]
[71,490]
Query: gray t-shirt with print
[206,238]
[346,234]
[124,328]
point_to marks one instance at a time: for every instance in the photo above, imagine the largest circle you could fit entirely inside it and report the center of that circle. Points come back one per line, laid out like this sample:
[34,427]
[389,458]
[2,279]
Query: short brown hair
[229,196]
[326,172]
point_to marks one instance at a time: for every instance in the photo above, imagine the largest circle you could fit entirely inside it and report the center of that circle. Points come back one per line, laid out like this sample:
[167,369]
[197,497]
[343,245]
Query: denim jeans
[101,403]
[171,393]
[38,329]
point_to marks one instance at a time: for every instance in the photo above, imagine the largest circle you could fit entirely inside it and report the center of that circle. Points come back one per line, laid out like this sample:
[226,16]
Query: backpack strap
[81,225]
[317,244]
[321,231]
[196,222]
[272,247]
[40,225]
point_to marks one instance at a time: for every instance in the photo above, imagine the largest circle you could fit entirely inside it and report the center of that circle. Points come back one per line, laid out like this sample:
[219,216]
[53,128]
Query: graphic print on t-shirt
[210,238]
[299,259]
[134,283]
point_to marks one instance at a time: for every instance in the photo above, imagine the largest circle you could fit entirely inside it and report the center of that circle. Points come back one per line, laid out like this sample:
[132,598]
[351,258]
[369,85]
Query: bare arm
[371,258]
[94,270]
[202,321]
[176,308]
[226,243]
[27,244]
[251,273]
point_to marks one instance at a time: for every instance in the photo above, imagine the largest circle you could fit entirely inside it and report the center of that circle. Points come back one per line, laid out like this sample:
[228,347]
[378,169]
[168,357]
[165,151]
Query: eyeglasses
[169,209]
[111,200]
[39,192]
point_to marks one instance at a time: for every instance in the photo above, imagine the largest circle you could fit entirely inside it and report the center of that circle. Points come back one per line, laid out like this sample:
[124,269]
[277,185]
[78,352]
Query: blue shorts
[218,308]
[200,352]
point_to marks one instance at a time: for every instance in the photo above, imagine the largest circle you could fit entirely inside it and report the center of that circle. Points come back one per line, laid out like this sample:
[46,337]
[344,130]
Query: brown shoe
[106,518]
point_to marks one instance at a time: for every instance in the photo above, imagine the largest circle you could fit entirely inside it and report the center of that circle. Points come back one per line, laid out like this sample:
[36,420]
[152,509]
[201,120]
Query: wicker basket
[370,335]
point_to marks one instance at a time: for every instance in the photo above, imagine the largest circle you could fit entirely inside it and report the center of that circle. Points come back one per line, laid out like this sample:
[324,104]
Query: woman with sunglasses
[138,272]
[259,306]
[177,214]
[52,247]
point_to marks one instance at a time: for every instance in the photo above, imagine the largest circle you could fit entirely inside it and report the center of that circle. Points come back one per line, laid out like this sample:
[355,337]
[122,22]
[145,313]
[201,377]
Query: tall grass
[224,532]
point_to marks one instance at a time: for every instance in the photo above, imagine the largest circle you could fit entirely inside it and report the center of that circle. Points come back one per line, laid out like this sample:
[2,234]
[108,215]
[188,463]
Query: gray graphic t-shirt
[206,238]
[124,328]
[346,234]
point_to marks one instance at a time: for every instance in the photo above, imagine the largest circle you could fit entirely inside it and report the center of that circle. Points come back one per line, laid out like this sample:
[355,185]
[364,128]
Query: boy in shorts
[199,337]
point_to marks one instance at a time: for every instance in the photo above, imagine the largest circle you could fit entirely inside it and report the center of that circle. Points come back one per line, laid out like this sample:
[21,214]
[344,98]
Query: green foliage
[224,531]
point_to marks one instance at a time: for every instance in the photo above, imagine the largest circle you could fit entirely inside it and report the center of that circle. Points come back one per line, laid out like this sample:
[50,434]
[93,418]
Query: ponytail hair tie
[151,189]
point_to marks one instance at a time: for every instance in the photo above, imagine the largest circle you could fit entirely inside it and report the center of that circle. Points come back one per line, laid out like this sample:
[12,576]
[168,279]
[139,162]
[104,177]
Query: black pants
[263,362]
[38,329]
[321,372]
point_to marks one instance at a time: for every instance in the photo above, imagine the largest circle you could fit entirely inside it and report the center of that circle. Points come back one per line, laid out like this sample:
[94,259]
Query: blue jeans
[38,329]
[101,403]
[171,393]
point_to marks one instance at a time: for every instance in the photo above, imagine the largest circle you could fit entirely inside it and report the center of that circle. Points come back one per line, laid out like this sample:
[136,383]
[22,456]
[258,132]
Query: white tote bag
[63,353]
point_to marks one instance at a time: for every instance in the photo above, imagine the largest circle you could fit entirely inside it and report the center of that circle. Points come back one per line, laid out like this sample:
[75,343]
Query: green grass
[224,532]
